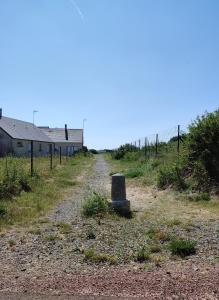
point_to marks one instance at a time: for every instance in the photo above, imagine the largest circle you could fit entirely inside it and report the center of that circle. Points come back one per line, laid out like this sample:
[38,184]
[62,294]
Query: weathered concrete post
[118,193]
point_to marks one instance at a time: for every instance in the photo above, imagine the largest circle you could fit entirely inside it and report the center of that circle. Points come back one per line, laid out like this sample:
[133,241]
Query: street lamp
[84,120]
[34,111]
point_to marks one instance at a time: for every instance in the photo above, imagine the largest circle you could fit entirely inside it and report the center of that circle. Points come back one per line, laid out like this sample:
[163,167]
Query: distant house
[70,140]
[16,137]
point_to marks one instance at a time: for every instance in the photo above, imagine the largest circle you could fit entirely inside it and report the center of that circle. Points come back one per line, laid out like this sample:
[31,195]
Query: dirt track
[56,269]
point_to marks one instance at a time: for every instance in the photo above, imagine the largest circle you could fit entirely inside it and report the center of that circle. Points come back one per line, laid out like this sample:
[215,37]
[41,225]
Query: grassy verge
[45,191]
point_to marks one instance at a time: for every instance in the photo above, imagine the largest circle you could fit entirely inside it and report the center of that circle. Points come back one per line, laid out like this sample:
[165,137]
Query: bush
[182,247]
[3,211]
[95,204]
[93,151]
[122,150]
[203,144]
[171,175]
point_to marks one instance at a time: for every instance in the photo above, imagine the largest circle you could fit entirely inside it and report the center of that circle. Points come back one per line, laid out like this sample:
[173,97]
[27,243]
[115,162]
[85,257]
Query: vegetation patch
[199,197]
[95,204]
[142,254]
[64,228]
[132,173]
[51,237]
[159,234]
[91,255]
[171,175]
[11,243]
[182,247]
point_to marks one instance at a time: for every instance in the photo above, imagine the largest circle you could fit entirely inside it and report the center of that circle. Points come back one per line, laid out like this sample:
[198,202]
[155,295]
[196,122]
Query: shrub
[182,247]
[155,248]
[3,211]
[171,175]
[122,150]
[95,204]
[93,151]
[203,144]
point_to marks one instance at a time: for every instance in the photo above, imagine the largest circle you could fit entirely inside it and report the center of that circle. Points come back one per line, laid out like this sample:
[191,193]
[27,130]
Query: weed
[36,231]
[51,237]
[95,204]
[64,228]
[11,243]
[95,257]
[142,255]
[158,234]
[182,247]
[173,222]
[157,259]
[155,248]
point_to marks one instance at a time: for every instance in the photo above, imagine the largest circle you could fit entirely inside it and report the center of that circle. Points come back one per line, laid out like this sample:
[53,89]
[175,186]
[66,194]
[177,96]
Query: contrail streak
[81,15]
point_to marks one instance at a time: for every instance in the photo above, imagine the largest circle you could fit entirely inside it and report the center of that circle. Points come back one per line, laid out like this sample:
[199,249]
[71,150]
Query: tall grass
[22,197]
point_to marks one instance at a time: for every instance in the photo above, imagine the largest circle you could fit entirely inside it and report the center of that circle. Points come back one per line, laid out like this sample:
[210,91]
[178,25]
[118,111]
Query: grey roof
[23,130]
[57,135]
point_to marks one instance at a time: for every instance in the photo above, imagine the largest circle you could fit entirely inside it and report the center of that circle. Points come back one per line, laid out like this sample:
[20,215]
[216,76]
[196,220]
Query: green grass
[182,247]
[46,189]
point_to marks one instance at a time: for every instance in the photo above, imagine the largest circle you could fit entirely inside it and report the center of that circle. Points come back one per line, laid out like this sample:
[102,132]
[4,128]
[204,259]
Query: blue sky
[130,67]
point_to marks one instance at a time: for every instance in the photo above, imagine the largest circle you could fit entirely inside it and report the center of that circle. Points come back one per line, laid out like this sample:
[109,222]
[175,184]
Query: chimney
[66,132]
[0,113]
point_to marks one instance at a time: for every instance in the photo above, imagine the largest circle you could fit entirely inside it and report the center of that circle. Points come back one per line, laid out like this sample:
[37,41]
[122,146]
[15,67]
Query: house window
[20,144]
[40,147]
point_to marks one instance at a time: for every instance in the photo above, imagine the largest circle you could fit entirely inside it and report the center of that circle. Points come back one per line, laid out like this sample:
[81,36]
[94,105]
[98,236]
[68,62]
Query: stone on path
[118,194]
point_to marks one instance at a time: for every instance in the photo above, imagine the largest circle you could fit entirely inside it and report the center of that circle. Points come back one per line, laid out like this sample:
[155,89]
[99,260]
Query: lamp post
[34,111]
[84,120]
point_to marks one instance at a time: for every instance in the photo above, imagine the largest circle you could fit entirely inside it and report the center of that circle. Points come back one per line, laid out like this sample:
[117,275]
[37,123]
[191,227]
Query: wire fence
[164,141]
[33,163]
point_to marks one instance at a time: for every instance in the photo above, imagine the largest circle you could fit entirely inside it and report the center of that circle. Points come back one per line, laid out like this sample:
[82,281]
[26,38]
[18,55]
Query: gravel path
[45,261]
[99,179]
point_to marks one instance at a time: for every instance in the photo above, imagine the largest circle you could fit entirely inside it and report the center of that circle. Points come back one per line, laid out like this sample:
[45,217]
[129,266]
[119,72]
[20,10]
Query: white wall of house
[23,148]
[67,148]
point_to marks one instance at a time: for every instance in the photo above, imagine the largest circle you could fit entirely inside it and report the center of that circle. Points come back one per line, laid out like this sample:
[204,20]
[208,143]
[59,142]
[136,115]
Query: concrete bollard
[118,192]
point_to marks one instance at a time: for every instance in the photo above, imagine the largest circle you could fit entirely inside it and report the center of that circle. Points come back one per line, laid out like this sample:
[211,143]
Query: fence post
[156,144]
[178,139]
[31,158]
[139,145]
[50,148]
[145,147]
[60,155]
